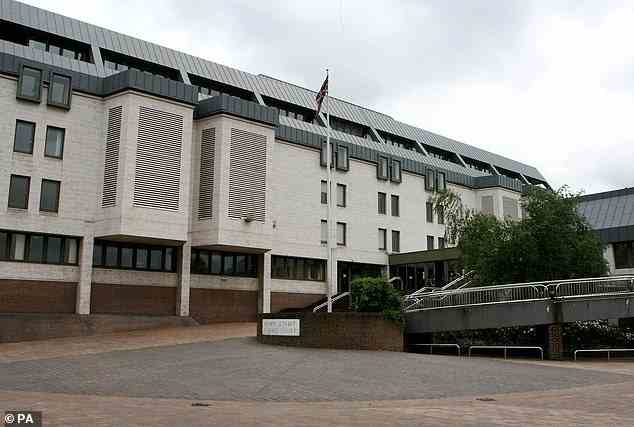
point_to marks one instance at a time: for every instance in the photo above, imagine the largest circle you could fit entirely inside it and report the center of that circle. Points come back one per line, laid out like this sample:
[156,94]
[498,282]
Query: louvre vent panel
[247,175]
[207,159]
[158,159]
[111,160]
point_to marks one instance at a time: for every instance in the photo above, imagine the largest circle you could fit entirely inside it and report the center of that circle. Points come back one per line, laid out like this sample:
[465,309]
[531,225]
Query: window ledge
[17,210]
[48,213]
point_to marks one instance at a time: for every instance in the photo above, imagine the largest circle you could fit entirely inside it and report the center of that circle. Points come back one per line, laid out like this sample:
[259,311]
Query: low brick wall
[26,296]
[344,330]
[223,305]
[28,327]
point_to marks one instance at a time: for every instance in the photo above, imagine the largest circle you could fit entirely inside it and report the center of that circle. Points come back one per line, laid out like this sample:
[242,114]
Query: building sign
[280,327]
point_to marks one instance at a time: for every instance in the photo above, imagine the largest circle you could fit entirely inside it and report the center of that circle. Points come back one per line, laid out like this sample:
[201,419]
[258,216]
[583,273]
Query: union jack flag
[323,92]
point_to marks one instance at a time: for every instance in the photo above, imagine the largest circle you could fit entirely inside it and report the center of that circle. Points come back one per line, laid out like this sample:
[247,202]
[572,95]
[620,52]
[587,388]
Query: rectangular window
[382,171]
[241,265]
[382,239]
[382,203]
[324,153]
[395,205]
[623,255]
[228,265]
[19,188]
[291,268]
[429,211]
[441,243]
[141,259]
[54,250]
[170,258]
[341,195]
[127,258]
[395,171]
[430,243]
[343,162]
[54,146]
[324,192]
[4,245]
[49,196]
[97,255]
[216,263]
[441,215]
[341,233]
[111,256]
[441,181]
[30,84]
[35,248]
[324,231]
[429,180]
[24,137]
[156,259]
[396,241]
[200,263]
[70,250]
[17,249]
[59,91]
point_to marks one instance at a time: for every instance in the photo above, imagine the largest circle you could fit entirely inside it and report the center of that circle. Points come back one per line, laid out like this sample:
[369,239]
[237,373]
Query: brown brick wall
[219,305]
[284,300]
[21,296]
[28,326]
[127,299]
[344,330]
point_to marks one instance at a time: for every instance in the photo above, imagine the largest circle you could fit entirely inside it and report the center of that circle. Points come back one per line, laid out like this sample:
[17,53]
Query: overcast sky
[547,83]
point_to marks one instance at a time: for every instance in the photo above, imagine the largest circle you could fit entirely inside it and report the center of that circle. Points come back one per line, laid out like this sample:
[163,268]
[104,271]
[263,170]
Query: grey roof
[610,209]
[98,37]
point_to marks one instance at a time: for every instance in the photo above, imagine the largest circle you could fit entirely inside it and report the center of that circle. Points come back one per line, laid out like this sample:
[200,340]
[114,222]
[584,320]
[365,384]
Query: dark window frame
[429,212]
[383,173]
[15,136]
[61,156]
[46,237]
[345,233]
[308,264]
[381,206]
[623,255]
[383,232]
[395,197]
[321,224]
[430,180]
[345,196]
[28,192]
[396,243]
[343,149]
[59,192]
[323,194]
[441,181]
[393,175]
[69,89]
[103,244]
[430,239]
[251,260]
[19,95]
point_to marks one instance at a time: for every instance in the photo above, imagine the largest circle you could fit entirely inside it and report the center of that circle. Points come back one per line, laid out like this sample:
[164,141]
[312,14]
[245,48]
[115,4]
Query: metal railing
[522,292]
[506,348]
[608,350]
[333,300]
[431,346]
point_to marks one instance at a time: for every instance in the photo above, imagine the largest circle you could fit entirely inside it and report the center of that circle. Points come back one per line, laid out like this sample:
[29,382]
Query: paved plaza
[219,375]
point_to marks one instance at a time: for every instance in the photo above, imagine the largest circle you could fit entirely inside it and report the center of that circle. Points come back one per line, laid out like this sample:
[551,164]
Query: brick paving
[523,393]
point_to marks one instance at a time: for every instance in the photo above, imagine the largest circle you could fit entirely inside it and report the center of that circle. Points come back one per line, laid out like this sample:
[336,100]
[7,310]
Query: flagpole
[329,219]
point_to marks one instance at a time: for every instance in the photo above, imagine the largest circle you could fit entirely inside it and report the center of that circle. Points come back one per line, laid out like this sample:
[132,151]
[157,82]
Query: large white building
[135,179]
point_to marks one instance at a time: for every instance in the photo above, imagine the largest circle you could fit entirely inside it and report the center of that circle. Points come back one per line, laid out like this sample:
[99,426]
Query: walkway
[192,376]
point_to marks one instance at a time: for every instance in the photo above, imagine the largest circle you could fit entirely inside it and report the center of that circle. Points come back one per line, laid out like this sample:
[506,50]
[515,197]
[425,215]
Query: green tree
[552,242]
[375,295]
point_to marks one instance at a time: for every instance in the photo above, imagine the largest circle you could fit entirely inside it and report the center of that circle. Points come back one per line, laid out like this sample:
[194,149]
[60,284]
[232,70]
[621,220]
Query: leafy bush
[375,295]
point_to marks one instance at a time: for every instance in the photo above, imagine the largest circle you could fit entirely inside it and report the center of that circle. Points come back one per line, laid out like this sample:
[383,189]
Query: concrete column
[184,276]
[264,283]
[82,304]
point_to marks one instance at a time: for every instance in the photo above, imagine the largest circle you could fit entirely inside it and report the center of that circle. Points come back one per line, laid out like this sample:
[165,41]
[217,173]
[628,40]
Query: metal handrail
[431,347]
[508,347]
[332,301]
[596,350]
[564,289]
